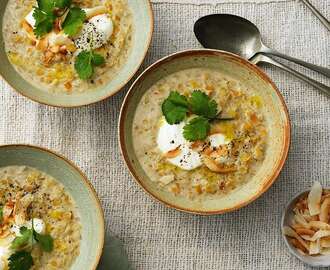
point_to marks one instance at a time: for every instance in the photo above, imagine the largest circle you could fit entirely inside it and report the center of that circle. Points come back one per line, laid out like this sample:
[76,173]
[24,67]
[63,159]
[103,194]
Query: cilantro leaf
[20,260]
[83,65]
[46,242]
[62,3]
[85,62]
[46,6]
[97,59]
[196,129]
[44,22]
[22,241]
[175,108]
[44,14]
[201,104]
[74,21]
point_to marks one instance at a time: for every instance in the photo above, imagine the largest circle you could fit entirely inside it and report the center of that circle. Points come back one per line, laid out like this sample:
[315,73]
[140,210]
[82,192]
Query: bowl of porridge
[73,52]
[50,216]
[204,131]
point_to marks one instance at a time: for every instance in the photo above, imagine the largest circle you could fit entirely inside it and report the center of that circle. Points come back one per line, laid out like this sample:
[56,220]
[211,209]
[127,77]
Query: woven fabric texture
[214,2]
[158,238]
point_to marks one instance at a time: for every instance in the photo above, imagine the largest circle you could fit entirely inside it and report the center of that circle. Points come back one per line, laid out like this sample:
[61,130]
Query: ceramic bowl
[315,261]
[275,112]
[75,183]
[143,28]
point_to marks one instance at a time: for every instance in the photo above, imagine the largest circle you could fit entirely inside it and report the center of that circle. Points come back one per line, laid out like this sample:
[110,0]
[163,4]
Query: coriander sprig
[85,63]
[176,108]
[201,104]
[74,21]
[196,129]
[87,60]
[48,11]
[21,259]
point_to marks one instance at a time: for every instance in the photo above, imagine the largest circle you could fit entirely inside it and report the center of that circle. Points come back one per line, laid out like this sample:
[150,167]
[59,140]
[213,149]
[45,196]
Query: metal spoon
[240,36]
[318,14]
[260,58]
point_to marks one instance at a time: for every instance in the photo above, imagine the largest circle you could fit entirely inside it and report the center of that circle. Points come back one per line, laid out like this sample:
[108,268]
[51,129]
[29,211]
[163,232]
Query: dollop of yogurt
[218,139]
[170,137]
[95,32]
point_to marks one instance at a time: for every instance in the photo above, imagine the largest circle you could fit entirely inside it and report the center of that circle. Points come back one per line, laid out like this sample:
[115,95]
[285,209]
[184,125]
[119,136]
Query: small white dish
[314,261]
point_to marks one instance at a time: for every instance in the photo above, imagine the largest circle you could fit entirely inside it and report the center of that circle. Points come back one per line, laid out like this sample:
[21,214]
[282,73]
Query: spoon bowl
[240,36]
[230,33]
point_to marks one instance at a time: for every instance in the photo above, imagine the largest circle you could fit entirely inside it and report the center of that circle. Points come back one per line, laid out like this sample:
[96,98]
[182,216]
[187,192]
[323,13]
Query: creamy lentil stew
[222,162]
[28,194]
[48,62]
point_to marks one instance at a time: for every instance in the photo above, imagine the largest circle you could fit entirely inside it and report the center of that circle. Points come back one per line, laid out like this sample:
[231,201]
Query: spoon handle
[317,14]
[323,70]
[263,58]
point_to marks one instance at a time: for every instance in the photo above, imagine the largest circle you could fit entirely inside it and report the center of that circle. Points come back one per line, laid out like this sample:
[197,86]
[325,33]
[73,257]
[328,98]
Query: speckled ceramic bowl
[287,217]
[143,28]
[76,183]
[274,109]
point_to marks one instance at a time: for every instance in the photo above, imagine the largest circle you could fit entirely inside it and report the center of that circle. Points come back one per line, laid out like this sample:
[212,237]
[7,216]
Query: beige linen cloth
[158,238]
[213,2]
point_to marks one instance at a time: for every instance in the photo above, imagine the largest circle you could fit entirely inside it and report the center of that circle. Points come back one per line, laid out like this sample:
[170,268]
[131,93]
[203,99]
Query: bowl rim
[200,52]
[291,249]
[116,89]
[87,184]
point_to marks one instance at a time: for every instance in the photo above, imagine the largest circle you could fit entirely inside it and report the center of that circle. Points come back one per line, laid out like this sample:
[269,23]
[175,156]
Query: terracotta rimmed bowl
[77,185]
[142,34]
[274,109]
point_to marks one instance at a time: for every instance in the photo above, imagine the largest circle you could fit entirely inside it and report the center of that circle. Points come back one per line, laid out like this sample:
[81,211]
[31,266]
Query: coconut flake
[314,199]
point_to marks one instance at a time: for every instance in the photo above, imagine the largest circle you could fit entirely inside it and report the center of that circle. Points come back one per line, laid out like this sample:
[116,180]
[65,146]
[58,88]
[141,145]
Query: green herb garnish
[196,129]
[24,240]
[201,104]
[20,260]
[48,11]
[85,63]
[62,3]
[44,18]
[176,108]
[74,21]
[46,242]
